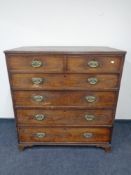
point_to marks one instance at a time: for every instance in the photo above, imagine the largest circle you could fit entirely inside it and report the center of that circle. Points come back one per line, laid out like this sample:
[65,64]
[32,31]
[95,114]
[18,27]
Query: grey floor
[65,160]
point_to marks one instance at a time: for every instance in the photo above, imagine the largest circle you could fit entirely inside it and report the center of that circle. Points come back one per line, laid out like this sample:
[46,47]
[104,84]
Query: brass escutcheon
[40,135]
[38,98]
[88,135]
[36,63]
[37,81]
[93,64]
[89,117]
[92,80]
[90,99]
[39,117]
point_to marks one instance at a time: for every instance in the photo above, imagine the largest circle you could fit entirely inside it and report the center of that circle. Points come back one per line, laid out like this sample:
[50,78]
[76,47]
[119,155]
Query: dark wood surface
[62,98]
[65,49]
[107,63]
[60,63]
[65,72]
[67,117]
[65,82]
[64,134]
[53,63]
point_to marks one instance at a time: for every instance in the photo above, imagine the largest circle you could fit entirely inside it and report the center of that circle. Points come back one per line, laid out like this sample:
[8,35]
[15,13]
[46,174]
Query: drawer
[65,81]
[64,117]
[35,63]
[65,98]
[94,63]
[64,135]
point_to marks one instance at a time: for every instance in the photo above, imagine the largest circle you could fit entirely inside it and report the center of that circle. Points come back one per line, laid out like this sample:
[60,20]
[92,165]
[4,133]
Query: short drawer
[64,135]
[35,63]
[65,81]
[94,63]
[65,98]
[64,117]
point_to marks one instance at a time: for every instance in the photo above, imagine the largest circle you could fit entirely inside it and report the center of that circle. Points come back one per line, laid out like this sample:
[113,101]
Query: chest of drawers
[65,95]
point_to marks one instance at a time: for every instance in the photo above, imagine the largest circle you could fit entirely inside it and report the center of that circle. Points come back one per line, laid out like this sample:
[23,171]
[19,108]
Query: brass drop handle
[37,81]
[39,117]
[89,117]
[38,98]
[90,99]
[40,135]
[88,135]
[36,63]
[93,64]
[92,80]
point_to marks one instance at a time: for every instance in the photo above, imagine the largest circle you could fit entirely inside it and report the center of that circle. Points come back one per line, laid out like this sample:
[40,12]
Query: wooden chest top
[66,50]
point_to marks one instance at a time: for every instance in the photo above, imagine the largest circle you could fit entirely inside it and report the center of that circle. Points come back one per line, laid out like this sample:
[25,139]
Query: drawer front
[67,135]
[64,117]
[64,98]
[94,63]
[35,63]
[64,81]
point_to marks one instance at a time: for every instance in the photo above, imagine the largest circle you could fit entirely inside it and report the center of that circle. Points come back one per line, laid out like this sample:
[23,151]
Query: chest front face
[64,98]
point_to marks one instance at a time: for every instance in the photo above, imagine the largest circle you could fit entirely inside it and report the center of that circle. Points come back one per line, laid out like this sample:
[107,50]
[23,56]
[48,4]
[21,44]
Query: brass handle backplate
[88,135]
[36,63]
[90,99]
[89,117]
[37,81]
[40,135]
[39,117]
[93,64]
[93,80]
[38,98]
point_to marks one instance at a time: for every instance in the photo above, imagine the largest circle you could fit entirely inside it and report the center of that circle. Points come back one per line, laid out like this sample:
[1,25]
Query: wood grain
[64,117]
[65,74]
[50,63]
[65,50]
[64,98]
[64,134]
[106,63]
[65,82]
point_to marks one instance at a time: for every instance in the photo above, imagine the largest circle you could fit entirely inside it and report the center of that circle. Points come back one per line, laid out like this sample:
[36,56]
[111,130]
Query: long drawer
[65,98]
[64,117]
[65,81]
[64,135]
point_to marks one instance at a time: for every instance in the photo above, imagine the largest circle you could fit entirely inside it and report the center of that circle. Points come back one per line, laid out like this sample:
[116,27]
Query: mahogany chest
[65,95]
